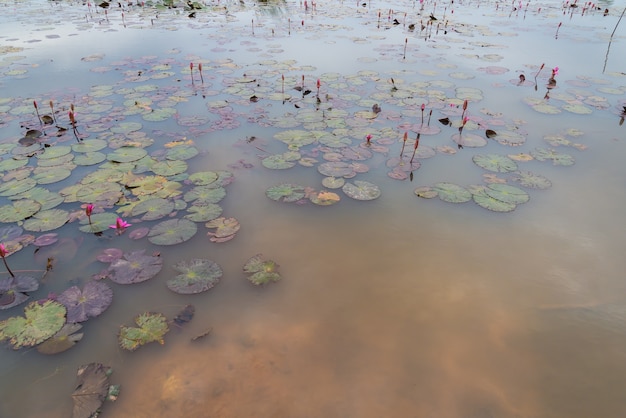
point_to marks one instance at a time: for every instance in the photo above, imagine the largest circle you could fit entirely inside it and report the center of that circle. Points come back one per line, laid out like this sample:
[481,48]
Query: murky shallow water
[397,307]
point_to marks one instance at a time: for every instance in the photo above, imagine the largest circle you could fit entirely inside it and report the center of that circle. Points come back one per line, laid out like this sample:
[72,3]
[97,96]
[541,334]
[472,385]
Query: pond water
[398,306]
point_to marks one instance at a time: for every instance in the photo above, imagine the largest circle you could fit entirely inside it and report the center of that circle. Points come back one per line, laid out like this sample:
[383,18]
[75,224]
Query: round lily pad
[169,167]
[507,193]
[172,231]
[127,154]
[205,194]
[203,212]
[90,302]
[531,180]
[134,267]
[181,152]
[14,187]
[89,158]
[40,322]
[47,220]
[51,176]
[333,182]
[203,178]
[19,210]
[196,275]
[426,192]
[336,169]
[153,208]
[281,161]
[543,154]
[151,327]
[495,162]
[469,140]
[361,190]
[225,229]
[453,193]
[484,200]
[99,222]
[261,271]
[285,192]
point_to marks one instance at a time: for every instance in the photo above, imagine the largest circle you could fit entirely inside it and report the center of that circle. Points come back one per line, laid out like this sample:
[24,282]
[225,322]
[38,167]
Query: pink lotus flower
[555,71]
[368,138]
[4,253]
[89,210]
[120,226]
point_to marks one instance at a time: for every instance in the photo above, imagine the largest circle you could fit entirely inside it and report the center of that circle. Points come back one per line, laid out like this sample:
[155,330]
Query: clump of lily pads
[261,271]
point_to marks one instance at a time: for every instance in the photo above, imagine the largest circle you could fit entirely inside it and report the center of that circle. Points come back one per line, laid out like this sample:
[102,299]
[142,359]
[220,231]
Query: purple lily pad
[134,267]
[94,299]
[13,290]
[110,255]
[46,239]
[139,233]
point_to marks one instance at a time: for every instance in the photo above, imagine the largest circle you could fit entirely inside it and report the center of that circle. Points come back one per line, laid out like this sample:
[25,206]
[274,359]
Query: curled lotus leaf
[361,190]
[482,199]
[453,193]
[224,227]
[150,327]
[13,290]
[153,208]
[134,267]
[495,162]
[196,275]
[507,193]
[285,192]
[261,271]
[63,340]
[531,180]
[172,231]
[47,220]
[91,301]
[40,322]
[19,210]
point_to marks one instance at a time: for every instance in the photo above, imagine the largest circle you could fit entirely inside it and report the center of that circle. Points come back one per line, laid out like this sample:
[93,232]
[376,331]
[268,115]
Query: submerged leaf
[92,386]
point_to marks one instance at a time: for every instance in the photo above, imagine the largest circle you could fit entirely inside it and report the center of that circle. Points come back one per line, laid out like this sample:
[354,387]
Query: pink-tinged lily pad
[171,232]
[94,299]
[336,169]
[197,275]
[109,255]
[323,197]
[46,239]
[9,233]
[139,233]
[426,192]
[134,267]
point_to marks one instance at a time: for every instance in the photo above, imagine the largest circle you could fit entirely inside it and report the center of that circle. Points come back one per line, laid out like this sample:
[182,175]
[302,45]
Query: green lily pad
[19,210]
[40,322]
[543,154]
[169,167]
[495,162]
[197,275]
[181,152]
[333,182]
[172,231]
[99,222]
[285,192]
[203,178]
[203,212]
[89,145]
[205,194]
[484,200]
[159,114]
[12,163]
[453,193]
[47,220]
[336,169]
[296,138]
[13,187]
[134,267]
[54,152]
[531,180]
[361,190]
[89,158]
[51,175]
[62,341]
[127,154]
[153,208]
[44,197]
[261,271]
[151,327]
[281,161]
[507,193]
[66,161]
[126,127]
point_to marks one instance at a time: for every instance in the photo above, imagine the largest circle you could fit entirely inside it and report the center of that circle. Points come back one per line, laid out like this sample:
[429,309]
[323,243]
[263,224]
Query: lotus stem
[406,40]
[200,71]
[191,71]
[429,115]
[52,110]
[417,142]
[37,112]
[406,135]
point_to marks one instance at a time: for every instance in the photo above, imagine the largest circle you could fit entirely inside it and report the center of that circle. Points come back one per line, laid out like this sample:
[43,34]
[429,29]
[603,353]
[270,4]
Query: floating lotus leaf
[507,194]
[62,341]
[19,210]
[9,233]
[453,193]
[94,192]
[333,182]
[225,229]
[285,192]
[205,194]
[11,164]
[139,233]
[145,185]
[495,162]
[203,178]
[46,239]
[181,152]
[334,141]
[89,145]
[578,108]
[324,198]
[531,180]
[51,176]
[510,138]
[54,152]
[281,161]
[169,167]
[484,200]
[361,190]
[203,212]
[152,327]
[40,322]
[134,267]
[336,169]
[543,154]
[47,220]
[65,161]
[94,299]
[469,140]
[197,275]
[109,255]
[44,197]
[153,208]
[296,138]
[261,271]
[426,192]
[89,158]
[13,290]
[126,127]
[356,153]
[127,154]
[173,231]
[159,114]
[99,222]
[92,387]
[13,187]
